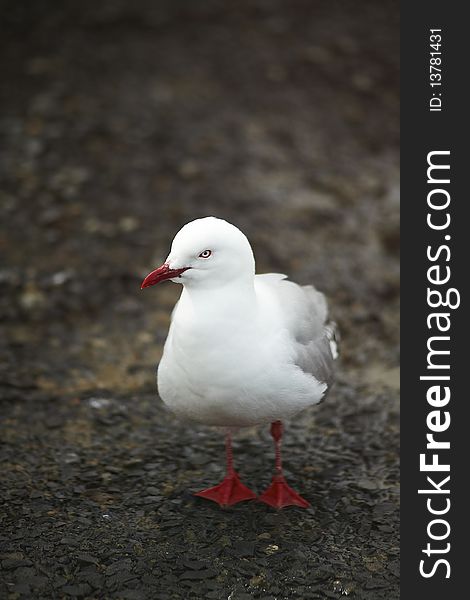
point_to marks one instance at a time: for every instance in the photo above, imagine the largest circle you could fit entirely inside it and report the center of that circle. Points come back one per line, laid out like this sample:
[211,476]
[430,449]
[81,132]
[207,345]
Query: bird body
[234,358]
[242,349]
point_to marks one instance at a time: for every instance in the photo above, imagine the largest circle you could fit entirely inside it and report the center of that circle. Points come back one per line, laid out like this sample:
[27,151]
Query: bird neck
[235,299]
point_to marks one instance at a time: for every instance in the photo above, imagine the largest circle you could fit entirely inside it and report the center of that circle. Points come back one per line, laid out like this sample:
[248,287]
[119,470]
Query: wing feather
[305,314]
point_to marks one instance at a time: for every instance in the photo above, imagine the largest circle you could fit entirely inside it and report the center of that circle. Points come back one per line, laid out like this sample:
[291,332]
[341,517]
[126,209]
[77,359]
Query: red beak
[160,274]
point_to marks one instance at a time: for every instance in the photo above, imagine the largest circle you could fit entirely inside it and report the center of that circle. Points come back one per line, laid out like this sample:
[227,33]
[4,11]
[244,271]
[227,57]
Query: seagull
[242,349]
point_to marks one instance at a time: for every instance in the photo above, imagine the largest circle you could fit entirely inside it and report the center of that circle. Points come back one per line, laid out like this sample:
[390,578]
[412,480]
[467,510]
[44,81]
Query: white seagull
[242,349]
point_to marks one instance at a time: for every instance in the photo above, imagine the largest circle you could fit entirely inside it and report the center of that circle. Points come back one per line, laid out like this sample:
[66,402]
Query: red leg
[231,490]
[279,494]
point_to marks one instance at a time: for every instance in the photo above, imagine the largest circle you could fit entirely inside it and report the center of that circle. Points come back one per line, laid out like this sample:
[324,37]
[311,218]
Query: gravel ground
[119,122]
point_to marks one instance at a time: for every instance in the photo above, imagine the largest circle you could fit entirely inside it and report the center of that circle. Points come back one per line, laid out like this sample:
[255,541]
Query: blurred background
[121,121]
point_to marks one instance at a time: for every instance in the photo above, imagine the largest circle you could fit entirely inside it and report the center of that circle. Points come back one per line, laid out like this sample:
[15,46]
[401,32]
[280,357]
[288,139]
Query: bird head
[207,253]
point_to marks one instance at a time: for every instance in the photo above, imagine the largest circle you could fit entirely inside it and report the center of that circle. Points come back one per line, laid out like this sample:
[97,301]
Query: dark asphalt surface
[120,122]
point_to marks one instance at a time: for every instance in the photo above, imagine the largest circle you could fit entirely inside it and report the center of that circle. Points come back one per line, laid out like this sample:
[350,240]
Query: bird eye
[205,254]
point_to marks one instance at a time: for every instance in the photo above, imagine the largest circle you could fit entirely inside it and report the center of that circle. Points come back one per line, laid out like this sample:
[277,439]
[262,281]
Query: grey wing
[318,356]
[316,338]
[306,318]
